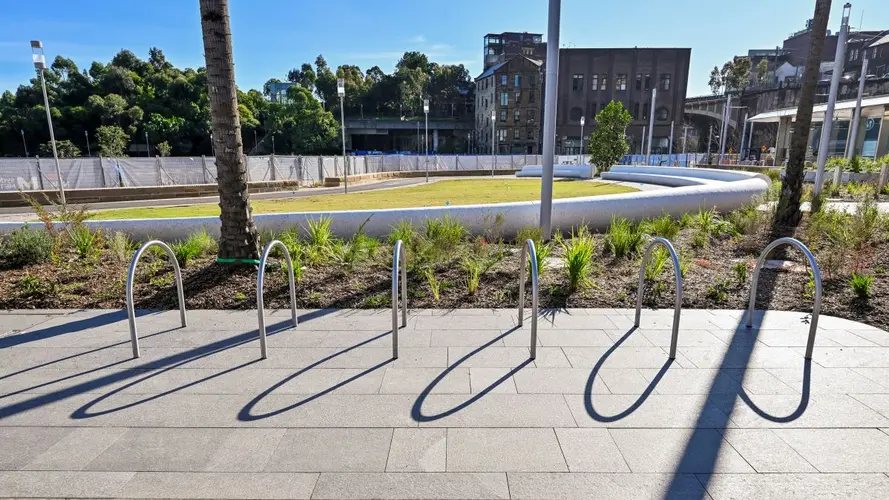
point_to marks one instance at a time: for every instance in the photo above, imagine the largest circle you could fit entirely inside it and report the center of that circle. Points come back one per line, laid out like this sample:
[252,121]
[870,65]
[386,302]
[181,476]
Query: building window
[577,82]
[503,114]
[646,110]
[532,79]
[635,110]
[638,81]
[518,97]
[531,97]
[620,83]
[517,80]
[530,134]
[603,82]
[515,134]
[594,82]
[647,81]
[501,134]
[516,116]
[528,51]
[665,81]
[575,114]
[504,98]
[662,114]
[486,102]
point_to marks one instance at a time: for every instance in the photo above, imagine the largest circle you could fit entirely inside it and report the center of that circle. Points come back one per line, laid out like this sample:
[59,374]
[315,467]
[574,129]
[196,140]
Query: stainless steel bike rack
[528,247]
[676,270]
[131,276]
[398,261]
[259,284]
[816,274]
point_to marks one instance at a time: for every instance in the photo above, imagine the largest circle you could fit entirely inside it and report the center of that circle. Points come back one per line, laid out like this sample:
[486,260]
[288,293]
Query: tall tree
[762,70]
[788,213]
[739,74]
[608,142]
[715,82]
[238,241]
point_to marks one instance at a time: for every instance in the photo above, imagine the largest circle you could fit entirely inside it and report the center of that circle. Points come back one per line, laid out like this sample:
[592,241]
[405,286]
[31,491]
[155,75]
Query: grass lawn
[456,192]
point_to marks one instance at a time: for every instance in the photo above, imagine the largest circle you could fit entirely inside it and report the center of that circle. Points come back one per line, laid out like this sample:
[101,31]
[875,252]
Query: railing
[260,305]
[816,276]
[527,248]
[131,276]
[677,309]
[398,261]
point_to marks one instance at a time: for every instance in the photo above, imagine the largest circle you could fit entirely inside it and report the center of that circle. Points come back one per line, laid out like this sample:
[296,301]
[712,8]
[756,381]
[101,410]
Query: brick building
[510,93]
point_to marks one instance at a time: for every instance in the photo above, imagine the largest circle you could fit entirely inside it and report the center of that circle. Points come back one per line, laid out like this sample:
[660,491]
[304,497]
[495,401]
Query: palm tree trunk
[788,213]
[238,241]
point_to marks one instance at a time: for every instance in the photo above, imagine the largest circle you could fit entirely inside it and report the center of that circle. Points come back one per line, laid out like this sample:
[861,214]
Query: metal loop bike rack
[131,276]
[677,309]
[260,306]
[527,248]
[398,261]
[816,274]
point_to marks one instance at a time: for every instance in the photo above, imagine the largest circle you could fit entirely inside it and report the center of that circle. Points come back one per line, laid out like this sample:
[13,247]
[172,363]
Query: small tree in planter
[608,142]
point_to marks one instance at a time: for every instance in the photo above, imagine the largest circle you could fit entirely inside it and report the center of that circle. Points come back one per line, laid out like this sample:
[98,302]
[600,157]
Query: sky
[272,36]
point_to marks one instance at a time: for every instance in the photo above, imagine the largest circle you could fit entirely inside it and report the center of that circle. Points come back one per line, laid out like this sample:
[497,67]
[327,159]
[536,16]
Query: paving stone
[590,450]
[483,379]
[623,380]
[22,444]
[510,450]
[878,337]
[622,357]
[692,381]
[462,323]
[765,451]
[299,337]
[663,411]
[466,338]
[488,357]
[495,410]
[760,356]
[418,450]
[245,450]
[852,357]
[219,485]
[797,486]
[796,337]
[829,380]
[416,380]
[75,450]
[62,484]
[678,450]
[631,340]
[582,486]
[565,321]
[161,450]
[822,410]
[687,338]
[840,450]
[331,450]
[574,338]
[415,485]
[557,381]
[760,381]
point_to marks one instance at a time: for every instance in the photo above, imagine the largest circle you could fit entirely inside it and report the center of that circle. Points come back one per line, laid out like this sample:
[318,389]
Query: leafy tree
[608,143]
[325,82]
[163,148]
[112,140]
[716,81]
[738,74]
[65,148]
[762,70]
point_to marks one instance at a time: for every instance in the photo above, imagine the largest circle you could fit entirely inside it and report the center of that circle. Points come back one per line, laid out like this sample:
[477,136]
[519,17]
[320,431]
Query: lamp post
[40,64]
[550,99]
[255,142]
[341,91]
[148,145]
[856,119]
[25,144]
[493,141]
[580,158]
[86,136]
[672,126]
[651,124]
[426,135]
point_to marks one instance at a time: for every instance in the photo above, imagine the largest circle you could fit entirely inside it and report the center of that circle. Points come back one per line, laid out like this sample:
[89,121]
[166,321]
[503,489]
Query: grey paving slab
[691,381]
[418,450]
[761,356]
[878,337]
[765,451]
[74,451]
[590,450]
[245,450]
[622,357]
[658,411]
[462,323]
[495,410]
[12,325]
[300,337]
[466,338]
[687,337]
[574,338]
[331,450]
[840,450]
[557,381]
[876,402]
[499,450]
[760,381]
[852,357]
[626,340]
[829,380]
[567,321]
[416,380]
[623,380]
[219,485]
[62,484]
[415,485]
[878,375]
[592,486]
[21,445]
[684,450]
[822,410]
[160,450]
[484,379]
[798,486]
[488,357]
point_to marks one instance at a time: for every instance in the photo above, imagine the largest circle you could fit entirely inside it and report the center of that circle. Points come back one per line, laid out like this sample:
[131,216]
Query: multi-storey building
[501,47]
[507,107]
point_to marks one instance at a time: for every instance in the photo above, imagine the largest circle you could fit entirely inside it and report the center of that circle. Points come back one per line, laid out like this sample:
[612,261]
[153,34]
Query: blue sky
[272,36]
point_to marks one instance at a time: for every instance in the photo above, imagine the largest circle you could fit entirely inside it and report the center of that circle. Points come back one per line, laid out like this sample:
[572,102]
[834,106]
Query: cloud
[418,39]
[440,47]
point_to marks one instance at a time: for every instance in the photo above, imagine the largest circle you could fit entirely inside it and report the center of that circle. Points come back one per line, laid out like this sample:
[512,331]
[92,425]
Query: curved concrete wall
[595,211]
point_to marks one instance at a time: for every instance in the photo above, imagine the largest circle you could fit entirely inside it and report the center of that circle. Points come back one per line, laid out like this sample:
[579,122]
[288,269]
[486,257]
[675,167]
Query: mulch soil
[73,283]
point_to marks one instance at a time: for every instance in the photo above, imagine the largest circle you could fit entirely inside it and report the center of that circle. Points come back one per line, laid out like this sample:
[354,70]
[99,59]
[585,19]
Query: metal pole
[850,152]
[723,142]
[642,147]
[25,144]
[549,118]
[426,144]
[86,135]
[651,124]
[52,138]
[750,138]
[684,137]
[831,101]
[743,137]
[148,145]
[345,163]
[273,144]
[493,144]
[672,126]
[710,145]
[255,142]
[580,156]
[418,139]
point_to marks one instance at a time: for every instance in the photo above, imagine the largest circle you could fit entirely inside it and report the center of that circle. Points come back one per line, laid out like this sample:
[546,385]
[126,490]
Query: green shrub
[861,284]
[185,251]
[473,268]
[686,220]
[543,251]
[578,257]
[206,243]
[773,174]
[121,246]
[533,233]
[434,285]
[708,223]
[835,161]
[319,232]
[624,238]
[660,256]
[445,233]
[684,259]
[35,286]
[865,223]
[86,241]
[718,291]
[745,220]
[740,270]
[663,226]
[406,232]
[26,246]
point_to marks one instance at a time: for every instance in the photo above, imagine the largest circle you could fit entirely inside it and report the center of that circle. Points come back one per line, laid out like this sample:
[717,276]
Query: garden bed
[449,269]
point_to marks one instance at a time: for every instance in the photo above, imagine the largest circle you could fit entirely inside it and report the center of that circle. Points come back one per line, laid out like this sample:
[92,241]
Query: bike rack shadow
[417,409]
[71,327]
[246,415]
[800,409]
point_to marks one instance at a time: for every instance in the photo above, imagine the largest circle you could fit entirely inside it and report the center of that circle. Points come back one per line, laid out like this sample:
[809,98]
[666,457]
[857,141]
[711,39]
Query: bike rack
[131,276]
[259,284]
[676,270]
[816,274]
[526,248]
[398,260]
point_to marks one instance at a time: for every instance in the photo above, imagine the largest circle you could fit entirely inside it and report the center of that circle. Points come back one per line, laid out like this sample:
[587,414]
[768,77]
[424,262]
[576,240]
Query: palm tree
[788,213]
[238,242]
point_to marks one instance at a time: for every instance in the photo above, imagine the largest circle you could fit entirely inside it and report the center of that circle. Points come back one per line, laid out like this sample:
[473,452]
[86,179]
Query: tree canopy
[734,76]
[608,142]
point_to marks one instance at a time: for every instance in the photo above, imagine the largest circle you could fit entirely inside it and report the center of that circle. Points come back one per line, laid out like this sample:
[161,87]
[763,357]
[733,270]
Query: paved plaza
[462,413]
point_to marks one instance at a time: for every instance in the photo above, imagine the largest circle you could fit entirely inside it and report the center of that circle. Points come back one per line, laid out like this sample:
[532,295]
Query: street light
[148,145]
[86,136]
[582,122]
[493,141]
[25,144]
[40,64]
[341,91]
[426,135]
